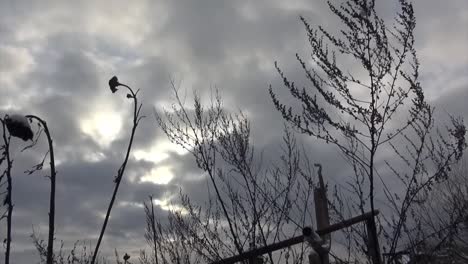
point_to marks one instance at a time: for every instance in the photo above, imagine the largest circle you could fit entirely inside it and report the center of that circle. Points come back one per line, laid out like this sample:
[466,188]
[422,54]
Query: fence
[252,254]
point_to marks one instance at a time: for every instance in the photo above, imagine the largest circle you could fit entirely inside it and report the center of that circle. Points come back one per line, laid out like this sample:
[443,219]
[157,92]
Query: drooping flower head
[113,83]
[18,126]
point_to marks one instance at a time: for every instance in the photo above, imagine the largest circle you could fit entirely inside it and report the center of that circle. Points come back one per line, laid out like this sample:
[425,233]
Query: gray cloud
[56,59]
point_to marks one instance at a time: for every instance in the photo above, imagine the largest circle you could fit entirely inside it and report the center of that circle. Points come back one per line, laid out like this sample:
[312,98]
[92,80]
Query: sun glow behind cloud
[103,126]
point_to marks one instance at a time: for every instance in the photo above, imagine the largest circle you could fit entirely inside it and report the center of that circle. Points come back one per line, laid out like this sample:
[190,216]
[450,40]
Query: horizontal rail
[295,240]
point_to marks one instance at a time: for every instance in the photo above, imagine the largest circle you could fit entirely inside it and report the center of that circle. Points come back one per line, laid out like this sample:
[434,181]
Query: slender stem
[153,227]
[118,179]
[53,173]
[374,144]
[9,193]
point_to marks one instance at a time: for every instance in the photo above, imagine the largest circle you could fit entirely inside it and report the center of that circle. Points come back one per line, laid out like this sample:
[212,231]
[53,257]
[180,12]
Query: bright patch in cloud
[131,204]
[168,206]
[159,175]
[104,127]
[94,156]
[158,152]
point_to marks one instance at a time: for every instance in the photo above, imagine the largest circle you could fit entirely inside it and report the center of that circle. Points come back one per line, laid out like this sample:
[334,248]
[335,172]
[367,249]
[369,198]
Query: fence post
[321,212]
[373,245]
[256,260]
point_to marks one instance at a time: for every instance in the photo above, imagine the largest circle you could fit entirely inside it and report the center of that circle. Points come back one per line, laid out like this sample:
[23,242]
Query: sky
[56,58]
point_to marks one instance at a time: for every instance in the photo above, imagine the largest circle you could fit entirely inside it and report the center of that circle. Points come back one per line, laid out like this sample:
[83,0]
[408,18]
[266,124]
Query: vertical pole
[314,257]
[321,211]
[256,260]
[373,245]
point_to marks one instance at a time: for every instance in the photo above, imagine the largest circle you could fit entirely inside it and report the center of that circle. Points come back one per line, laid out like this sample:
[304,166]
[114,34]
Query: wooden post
[373,244]
[321,210]
[256,260]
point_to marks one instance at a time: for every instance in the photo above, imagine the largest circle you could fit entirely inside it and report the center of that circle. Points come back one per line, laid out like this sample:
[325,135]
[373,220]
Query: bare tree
[382,110]
[251,206]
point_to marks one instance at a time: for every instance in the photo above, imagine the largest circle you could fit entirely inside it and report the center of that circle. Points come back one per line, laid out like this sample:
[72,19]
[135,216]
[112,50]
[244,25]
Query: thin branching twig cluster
[249,205]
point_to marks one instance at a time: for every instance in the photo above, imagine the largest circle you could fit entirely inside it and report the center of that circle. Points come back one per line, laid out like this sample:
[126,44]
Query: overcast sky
[56,58]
